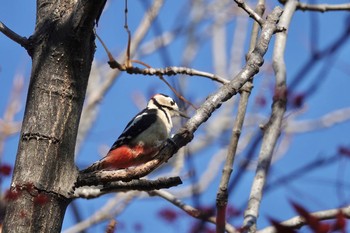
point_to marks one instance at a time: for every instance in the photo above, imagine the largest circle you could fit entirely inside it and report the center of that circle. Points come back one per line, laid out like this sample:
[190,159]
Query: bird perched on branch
[142,137]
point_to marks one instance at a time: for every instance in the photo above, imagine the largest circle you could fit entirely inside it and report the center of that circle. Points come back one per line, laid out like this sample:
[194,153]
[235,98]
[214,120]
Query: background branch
[323,7]
[222,194]
[196,213]
[299,221]
[272,130]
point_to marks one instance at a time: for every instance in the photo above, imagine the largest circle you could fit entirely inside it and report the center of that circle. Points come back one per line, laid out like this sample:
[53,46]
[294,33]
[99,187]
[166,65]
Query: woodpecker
[142,136]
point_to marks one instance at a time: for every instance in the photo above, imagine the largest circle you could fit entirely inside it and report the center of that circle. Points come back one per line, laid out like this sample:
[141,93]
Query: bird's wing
[138,124]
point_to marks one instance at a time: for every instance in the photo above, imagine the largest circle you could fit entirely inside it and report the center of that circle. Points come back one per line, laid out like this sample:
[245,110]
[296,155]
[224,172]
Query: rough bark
[62,49]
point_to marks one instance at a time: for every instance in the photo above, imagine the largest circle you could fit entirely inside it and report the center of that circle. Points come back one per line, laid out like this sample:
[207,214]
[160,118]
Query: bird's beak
[183,114]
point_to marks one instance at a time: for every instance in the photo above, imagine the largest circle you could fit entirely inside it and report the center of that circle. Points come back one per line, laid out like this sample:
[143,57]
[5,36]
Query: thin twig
[112,62]
[128,62]
[111,208]
[222,194]
[126,26]
[323,7]
[175,70]
[250,11]
[23,41]
[130,70]
[190,210]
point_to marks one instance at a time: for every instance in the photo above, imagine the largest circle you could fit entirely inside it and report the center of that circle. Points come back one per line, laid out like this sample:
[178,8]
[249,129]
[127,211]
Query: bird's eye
[172,103]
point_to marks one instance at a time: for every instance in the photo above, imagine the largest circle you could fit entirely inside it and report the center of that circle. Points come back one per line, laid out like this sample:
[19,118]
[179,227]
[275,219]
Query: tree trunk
[62,49]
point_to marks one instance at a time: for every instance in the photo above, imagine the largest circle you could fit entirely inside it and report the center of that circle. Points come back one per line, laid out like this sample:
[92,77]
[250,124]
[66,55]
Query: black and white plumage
[142,136]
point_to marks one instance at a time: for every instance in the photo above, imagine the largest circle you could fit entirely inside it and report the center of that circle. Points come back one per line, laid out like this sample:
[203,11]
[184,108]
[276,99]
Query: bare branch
[298,221]
[113,207]
[190,210]
[174,70]
[323,7]
[120,186]
[23,41]
[328,120]
[129,68]
[206,178]
[273,128]
[250,11]
[222,194]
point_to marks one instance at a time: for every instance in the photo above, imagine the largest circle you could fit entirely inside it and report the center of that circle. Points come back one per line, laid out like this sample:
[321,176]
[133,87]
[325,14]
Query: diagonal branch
[23,41]
[190,210]
[250,11]
[222,193]
[298,221]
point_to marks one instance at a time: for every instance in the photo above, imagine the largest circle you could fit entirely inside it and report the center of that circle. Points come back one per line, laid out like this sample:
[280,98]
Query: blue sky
[315,190]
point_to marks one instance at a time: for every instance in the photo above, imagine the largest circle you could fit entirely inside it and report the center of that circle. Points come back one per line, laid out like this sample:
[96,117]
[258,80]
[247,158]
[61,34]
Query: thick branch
[190,210]
[120,186]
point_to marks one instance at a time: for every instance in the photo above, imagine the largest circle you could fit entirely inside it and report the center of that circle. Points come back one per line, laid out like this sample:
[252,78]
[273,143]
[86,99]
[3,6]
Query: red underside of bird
[125,156]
